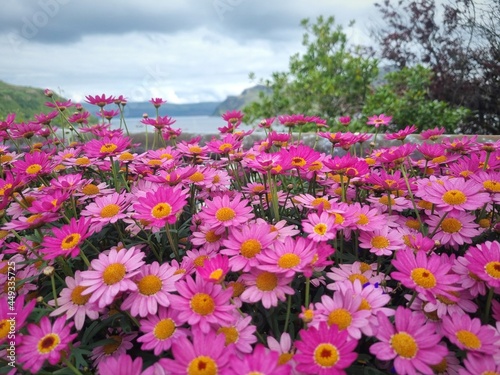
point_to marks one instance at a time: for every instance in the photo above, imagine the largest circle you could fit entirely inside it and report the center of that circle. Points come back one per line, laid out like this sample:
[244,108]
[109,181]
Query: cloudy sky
[181,50]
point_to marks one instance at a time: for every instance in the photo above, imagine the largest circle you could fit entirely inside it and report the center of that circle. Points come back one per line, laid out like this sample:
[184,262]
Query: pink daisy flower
[480,364]
[202,304]
[241,333]
[468,334]
[207,354]
[154,284]
[160,207]
[320,227]
[427,275]
[33,165]
[468,280]
[361,271]
[265,286]
[107,146]
[324,351]
[122,364]
[107,209]
[67,240]
[44,342]
[344,310]
[73,304]
[208,238]
[287,258]
[367,218]
[411,343]
[455,229]
[161,330]
[245,243]
[111,274]
[226,212]
[13,316]
[283,348]
[215,269]
[118,344]
[382,241]
[454,194]
[379,120]
[484,262]
[261,361]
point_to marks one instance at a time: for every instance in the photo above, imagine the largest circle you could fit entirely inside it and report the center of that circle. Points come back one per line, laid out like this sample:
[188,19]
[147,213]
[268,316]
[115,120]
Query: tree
[460,44]
[328,80]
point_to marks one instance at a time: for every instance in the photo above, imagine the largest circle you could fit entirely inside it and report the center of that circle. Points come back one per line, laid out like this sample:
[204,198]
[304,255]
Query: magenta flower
[157,102]
[379,120]
[154,284]
[99,101]
[267,287]
[324,351]
[67,239]
[201,304]
[111,274]
[233,117]
[122,364]
[44,342]
[107,146]
[13,314]
[160,207]
[484,262]
[261,361]
[226,212]
[411,343]
[33,165]
[207,354]
[320,227]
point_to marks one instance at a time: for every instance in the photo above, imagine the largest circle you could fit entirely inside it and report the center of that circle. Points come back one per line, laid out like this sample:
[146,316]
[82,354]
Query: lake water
[188,124]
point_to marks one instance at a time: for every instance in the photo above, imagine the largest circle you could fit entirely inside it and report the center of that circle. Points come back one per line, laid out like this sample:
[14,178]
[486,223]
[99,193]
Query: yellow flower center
[161,210]
[82,161]
[425,205]
[5,158]
[440,159]
[33,169]
[225,147]
[326,355]
[451,225]
[202,304]
[468,339]
[108,148]
[70,241]
[441,367]
[339,219]
[225,214]
[200,260]
[3,233]
[340,317]
[404,345]
[34,218]
[288,260]
[76,296]
[4,188]
[126,156]
[109,349]
[149,285]
[90,189]
[258,189]
[285,358]
[202,365]
[492,186]
[320,229]
[113,273]
[216,275]
[358,276]
[48,343]
[493,269]
[364,305]
[315,166]
[267,281]
[380,242]
[154,162]
[167,156]
[484,223]
[446,300]
[326,205]
[298,161]
[197,177]
[308,316]
[384,199]
[413,224]
[5,326]
[454,197]
[250,248]
[211,237]
[164,329]
[363,267]
[195,150]
[423,277]
[110,210]
[232,335]
[238,288]
[362,219]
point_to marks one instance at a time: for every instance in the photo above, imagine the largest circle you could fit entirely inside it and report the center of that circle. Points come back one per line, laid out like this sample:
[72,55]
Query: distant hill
[137,109]
[238,102]
[22,100]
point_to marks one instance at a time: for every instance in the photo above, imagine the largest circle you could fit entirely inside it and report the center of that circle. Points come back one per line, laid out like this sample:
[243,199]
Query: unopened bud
[49,271]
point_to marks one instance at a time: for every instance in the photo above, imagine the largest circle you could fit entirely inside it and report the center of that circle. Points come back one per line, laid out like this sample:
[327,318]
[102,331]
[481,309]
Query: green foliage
[328,80]
[24,101]
[405,96]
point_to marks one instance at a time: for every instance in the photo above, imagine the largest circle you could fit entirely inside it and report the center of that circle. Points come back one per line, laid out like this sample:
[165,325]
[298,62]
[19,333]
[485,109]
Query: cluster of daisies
[211,258]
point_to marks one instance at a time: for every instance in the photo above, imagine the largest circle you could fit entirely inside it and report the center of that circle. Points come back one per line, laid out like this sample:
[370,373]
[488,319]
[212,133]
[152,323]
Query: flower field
[204,258]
